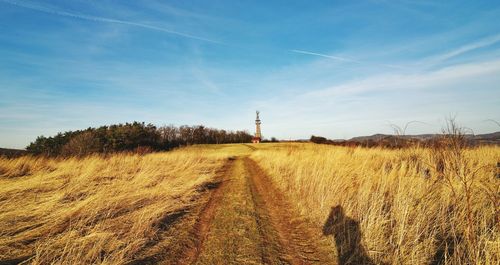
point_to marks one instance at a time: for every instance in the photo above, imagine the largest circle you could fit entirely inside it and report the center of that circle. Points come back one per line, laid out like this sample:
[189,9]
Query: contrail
[469,47]
[326,56]
[104,19]
[342,58]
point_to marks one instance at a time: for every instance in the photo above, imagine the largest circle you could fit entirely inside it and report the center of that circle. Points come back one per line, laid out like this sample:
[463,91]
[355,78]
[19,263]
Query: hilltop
[12,152]
[488,138]
[273,203]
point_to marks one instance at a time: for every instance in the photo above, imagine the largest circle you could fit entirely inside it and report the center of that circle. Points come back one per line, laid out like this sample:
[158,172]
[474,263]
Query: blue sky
[333,68]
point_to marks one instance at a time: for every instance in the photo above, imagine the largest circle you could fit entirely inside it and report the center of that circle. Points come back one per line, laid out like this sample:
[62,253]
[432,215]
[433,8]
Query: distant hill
[12,152]
[378,137]
[489,138]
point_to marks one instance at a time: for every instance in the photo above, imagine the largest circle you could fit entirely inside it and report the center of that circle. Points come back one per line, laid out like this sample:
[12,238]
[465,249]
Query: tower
[258,135]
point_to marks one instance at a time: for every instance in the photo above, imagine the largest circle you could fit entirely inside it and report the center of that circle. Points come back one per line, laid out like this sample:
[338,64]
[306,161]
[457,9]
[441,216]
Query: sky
[337,69]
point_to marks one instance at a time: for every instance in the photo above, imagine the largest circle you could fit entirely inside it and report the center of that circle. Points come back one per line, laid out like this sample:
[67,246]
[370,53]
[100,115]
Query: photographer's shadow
[347,235]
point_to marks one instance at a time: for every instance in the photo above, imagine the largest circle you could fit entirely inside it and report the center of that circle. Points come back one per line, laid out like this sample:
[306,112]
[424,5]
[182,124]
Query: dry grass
[410,210]
[96,209]
[413,206]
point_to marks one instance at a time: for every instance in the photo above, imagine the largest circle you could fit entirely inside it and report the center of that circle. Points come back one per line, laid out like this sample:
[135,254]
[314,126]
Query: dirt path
[248,221]
[300,242]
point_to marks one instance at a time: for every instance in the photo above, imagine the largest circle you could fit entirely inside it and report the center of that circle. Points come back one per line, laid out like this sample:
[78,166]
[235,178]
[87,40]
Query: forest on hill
[136,136]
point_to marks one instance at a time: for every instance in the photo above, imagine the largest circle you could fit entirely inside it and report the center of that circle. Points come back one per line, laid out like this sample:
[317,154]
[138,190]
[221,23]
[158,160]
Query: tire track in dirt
[298,242]
[181,242]
[202,225]
[247,220]
[234,236]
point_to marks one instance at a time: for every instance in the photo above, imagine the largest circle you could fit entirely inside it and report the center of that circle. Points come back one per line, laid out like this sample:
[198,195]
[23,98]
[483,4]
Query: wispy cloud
[105,20]
[338,58]
[170,10]
[342,59]
[362,106]
[485,42]
[427,80]
[102,75]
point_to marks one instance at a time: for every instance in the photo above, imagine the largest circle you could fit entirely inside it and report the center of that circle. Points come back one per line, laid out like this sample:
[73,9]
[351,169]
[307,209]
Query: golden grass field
[407,215]
[95,209]
[396,206]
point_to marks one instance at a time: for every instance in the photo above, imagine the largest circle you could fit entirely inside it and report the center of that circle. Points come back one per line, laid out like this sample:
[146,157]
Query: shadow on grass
[15,261]
[347,236]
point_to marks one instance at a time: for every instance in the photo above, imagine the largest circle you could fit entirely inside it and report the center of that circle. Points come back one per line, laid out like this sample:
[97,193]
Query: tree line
[136,136]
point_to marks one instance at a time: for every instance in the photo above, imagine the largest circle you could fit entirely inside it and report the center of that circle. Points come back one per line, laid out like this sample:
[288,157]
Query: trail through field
[248,221]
